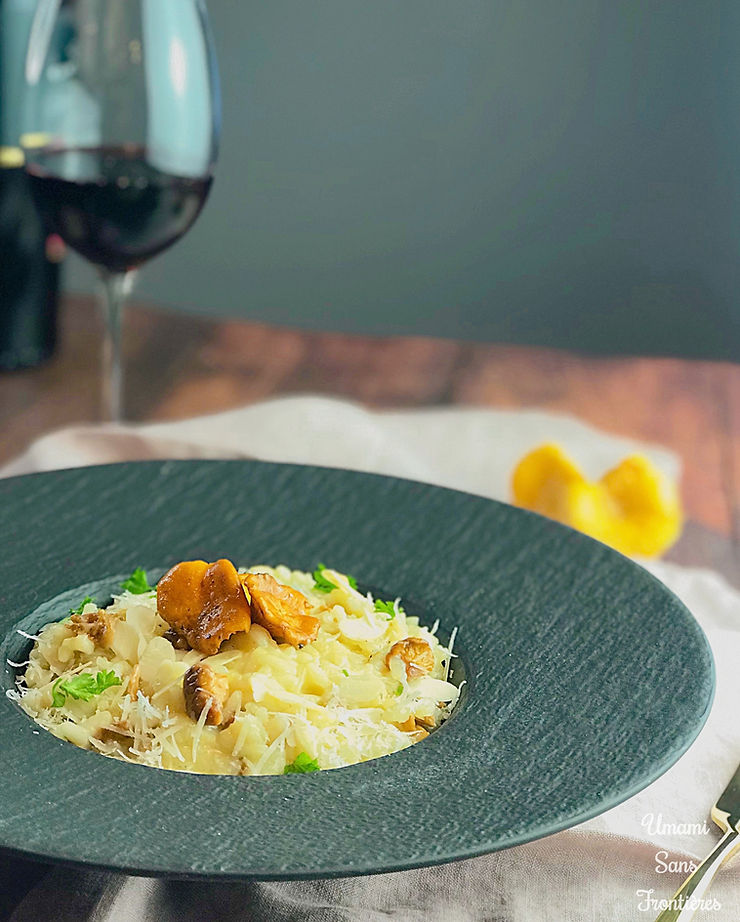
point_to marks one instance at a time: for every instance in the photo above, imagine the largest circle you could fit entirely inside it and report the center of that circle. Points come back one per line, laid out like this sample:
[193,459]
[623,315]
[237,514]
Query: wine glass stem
[116,285]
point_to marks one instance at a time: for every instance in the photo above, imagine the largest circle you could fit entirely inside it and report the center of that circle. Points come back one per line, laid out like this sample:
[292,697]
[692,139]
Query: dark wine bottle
[29,271]
[29,257]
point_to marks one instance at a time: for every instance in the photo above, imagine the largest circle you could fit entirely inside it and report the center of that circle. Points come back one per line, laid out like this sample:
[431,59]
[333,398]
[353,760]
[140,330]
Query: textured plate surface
[586,678]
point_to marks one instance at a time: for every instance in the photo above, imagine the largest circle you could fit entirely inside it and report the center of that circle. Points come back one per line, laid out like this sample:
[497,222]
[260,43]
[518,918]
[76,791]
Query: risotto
[251,672]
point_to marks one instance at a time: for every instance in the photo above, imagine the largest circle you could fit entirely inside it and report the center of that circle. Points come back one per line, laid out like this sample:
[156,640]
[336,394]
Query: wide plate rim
[533,833]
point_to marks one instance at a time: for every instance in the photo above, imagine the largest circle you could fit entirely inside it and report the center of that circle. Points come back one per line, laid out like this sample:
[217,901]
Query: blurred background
[528,172]
[495,204]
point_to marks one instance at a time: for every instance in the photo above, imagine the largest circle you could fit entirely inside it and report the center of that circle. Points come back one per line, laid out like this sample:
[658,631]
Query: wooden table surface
[179,365]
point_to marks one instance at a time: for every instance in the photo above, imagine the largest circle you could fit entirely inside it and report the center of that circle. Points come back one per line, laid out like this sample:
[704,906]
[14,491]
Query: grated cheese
[334,699]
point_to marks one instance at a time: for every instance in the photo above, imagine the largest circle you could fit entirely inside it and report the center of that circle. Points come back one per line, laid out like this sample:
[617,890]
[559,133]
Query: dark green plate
[586,678]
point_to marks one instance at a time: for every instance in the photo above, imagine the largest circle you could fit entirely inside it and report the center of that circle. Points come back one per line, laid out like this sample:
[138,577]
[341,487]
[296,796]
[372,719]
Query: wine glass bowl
[124,94]
[112,205]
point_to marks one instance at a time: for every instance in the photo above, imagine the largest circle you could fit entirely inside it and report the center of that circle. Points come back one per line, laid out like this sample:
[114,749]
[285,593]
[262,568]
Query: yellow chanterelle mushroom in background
[634,507]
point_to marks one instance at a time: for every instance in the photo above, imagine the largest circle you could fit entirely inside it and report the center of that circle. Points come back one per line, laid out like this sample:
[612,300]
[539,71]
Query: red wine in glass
[127,94]
[112,205]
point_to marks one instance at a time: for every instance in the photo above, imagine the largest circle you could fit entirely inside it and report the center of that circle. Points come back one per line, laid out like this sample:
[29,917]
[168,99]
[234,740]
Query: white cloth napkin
[614,868]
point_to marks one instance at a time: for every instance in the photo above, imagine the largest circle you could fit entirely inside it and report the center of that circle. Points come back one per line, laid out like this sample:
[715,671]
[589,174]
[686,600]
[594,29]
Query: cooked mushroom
[118,734]
[177,640]
[415,653]
[228,722]
[204,603]
[97,625]
[204,688]
[282,611]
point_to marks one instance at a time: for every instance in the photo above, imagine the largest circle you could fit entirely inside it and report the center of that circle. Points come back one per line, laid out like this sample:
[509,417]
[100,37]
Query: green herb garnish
[301,765]
[345,672]
[320,582]
[388,608]
[83,603]
[137,583]
[399,690]
[83,686]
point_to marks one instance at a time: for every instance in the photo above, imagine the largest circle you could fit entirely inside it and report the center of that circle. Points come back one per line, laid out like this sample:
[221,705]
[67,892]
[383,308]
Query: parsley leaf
[302,764]
[83,603]
[83,687]
[320,582]
[388,608]
[137,583]
[399,690]
[345,672]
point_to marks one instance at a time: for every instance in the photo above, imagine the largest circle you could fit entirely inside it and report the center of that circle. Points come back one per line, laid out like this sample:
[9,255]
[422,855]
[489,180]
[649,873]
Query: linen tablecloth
[614,868]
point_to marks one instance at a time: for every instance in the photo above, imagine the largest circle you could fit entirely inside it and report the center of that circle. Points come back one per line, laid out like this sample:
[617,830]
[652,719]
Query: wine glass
[123,103]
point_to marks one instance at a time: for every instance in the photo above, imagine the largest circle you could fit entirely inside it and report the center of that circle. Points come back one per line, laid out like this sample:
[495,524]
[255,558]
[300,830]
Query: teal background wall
[565,174]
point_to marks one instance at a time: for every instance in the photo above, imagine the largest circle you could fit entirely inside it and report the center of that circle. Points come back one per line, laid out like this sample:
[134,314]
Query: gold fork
[726,814]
